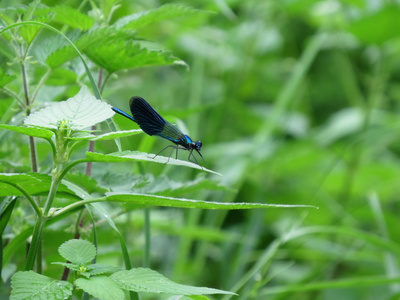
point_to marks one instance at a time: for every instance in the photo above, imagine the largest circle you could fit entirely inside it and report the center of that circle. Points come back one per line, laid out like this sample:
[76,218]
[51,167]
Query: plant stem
[35,243]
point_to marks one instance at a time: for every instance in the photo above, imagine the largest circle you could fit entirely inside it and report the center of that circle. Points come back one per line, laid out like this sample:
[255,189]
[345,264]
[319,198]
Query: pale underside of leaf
[81,111]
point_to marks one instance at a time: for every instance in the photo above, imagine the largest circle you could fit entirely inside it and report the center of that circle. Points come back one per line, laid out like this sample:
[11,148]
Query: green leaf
[78,252]
[378,27]
[164,12]
[101,287]
[141,156]
[61,76]
[93,38]
[32,131]
[72,17]
[82,111]
[104,137]
[29,32]
[121,54]
[97,269]
[86,182]
[154,200]
[149,281]
[5,78]
[30,285]
[32,183]
[6,208]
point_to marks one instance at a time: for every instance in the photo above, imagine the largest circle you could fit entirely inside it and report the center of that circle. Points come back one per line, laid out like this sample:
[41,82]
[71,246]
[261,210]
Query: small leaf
[141,156]
[28,32]
[106,136]
[101,287]
[121,54]
[72,17]
[149,281]
[78,252]
[32,131]
[82,111]
[155,200]
[5,78]
[30,285]
[164,12]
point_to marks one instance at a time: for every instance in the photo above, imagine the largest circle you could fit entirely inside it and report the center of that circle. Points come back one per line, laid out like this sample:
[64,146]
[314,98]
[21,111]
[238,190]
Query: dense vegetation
[295,102]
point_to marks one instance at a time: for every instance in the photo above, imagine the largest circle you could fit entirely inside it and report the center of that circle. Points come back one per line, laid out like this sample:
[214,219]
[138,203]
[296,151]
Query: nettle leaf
[78,252]
[101,287]
[61,76]
[92,38]
[32,183]
[104,137]
[5,78]
[82,111]
[30,285]
[125,156]
[32,131]
[28,32]
[149,281]
[86,182]
[164,12]
[155,200]
[72,17]
[120,54]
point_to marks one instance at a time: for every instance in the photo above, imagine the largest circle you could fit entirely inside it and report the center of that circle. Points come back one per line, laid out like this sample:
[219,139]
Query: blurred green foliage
[295,101]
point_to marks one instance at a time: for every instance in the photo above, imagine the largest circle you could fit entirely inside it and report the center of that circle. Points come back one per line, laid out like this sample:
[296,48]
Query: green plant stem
[36,241]
[146,262]
[71,165]
[40,223]
[14,95]
[32,146]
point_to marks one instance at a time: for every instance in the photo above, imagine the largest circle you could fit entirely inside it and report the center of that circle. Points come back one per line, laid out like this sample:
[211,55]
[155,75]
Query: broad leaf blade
[72,17]
[93,38]
[121,54]
[164,12]
[82,111]
[30,285]
[101,287]
[32,131]
[79,252]
[141,156]
[155,200]
[149,281]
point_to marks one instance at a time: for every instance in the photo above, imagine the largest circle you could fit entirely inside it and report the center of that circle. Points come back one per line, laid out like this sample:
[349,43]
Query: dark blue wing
[148,119]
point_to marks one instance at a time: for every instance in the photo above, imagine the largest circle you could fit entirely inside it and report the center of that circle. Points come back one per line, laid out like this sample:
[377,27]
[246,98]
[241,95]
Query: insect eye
[198,145]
